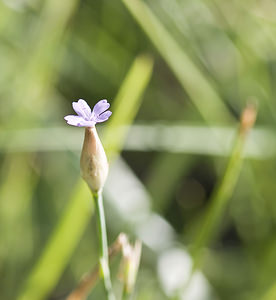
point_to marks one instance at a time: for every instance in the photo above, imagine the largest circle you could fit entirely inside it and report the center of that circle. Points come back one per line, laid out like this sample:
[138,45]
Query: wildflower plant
[94,170]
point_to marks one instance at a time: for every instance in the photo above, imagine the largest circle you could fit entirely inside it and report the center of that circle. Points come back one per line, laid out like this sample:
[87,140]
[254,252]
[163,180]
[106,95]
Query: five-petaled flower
[93,161]
[87,118]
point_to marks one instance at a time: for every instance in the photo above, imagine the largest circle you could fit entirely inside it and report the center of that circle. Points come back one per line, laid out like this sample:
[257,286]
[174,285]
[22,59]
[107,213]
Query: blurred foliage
[210,58]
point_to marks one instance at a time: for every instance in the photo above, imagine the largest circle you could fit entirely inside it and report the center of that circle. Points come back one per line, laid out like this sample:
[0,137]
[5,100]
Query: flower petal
[78,121]
[100,107]
[73,120]
[103,117]
[88,124]
[82,109]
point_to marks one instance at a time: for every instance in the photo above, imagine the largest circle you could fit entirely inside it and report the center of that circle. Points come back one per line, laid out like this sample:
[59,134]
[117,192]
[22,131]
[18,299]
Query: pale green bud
[93,162]
[130,264]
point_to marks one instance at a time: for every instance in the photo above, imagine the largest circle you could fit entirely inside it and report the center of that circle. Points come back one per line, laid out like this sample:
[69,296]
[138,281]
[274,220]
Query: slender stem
[225,187]
[125,295]
[90,279]
[104,261]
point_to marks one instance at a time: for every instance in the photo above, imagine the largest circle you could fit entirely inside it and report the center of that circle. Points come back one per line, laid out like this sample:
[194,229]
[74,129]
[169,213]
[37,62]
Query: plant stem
[125,294]
[225,187]
[90,279]
[104,261]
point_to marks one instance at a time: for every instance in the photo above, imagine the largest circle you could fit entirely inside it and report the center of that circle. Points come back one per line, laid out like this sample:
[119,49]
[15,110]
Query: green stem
[104,263]
[224,190]
[125,294]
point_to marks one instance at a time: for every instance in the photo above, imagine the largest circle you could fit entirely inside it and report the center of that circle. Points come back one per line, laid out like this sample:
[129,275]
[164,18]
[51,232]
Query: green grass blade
[127,104]
[15,216]
[201,92]
[270,294]
[222,192]
[39,64]
[60,247]
[68,232]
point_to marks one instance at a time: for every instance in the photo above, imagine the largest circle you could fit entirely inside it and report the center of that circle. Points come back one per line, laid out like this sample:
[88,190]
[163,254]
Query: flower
[87,118]
[93,161]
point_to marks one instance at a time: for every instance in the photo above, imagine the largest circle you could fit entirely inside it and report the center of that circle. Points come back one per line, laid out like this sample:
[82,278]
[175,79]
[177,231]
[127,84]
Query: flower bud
[93,162]
[130,264]
[248,117]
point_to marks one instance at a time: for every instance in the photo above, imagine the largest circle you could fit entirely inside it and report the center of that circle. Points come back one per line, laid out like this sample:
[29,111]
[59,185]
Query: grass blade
[60,247]
[127,104]
[270,294]
[224,189]
[201,92]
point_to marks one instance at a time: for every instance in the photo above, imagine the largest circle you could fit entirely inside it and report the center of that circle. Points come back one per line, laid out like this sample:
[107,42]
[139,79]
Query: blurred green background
[178,74]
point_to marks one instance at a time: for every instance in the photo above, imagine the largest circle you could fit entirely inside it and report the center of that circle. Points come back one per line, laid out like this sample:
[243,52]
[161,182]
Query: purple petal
[100,107]
[99,113]
[85,117]
[78,121]
[88,124]
[73,120]
[103,117]
[82,109]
